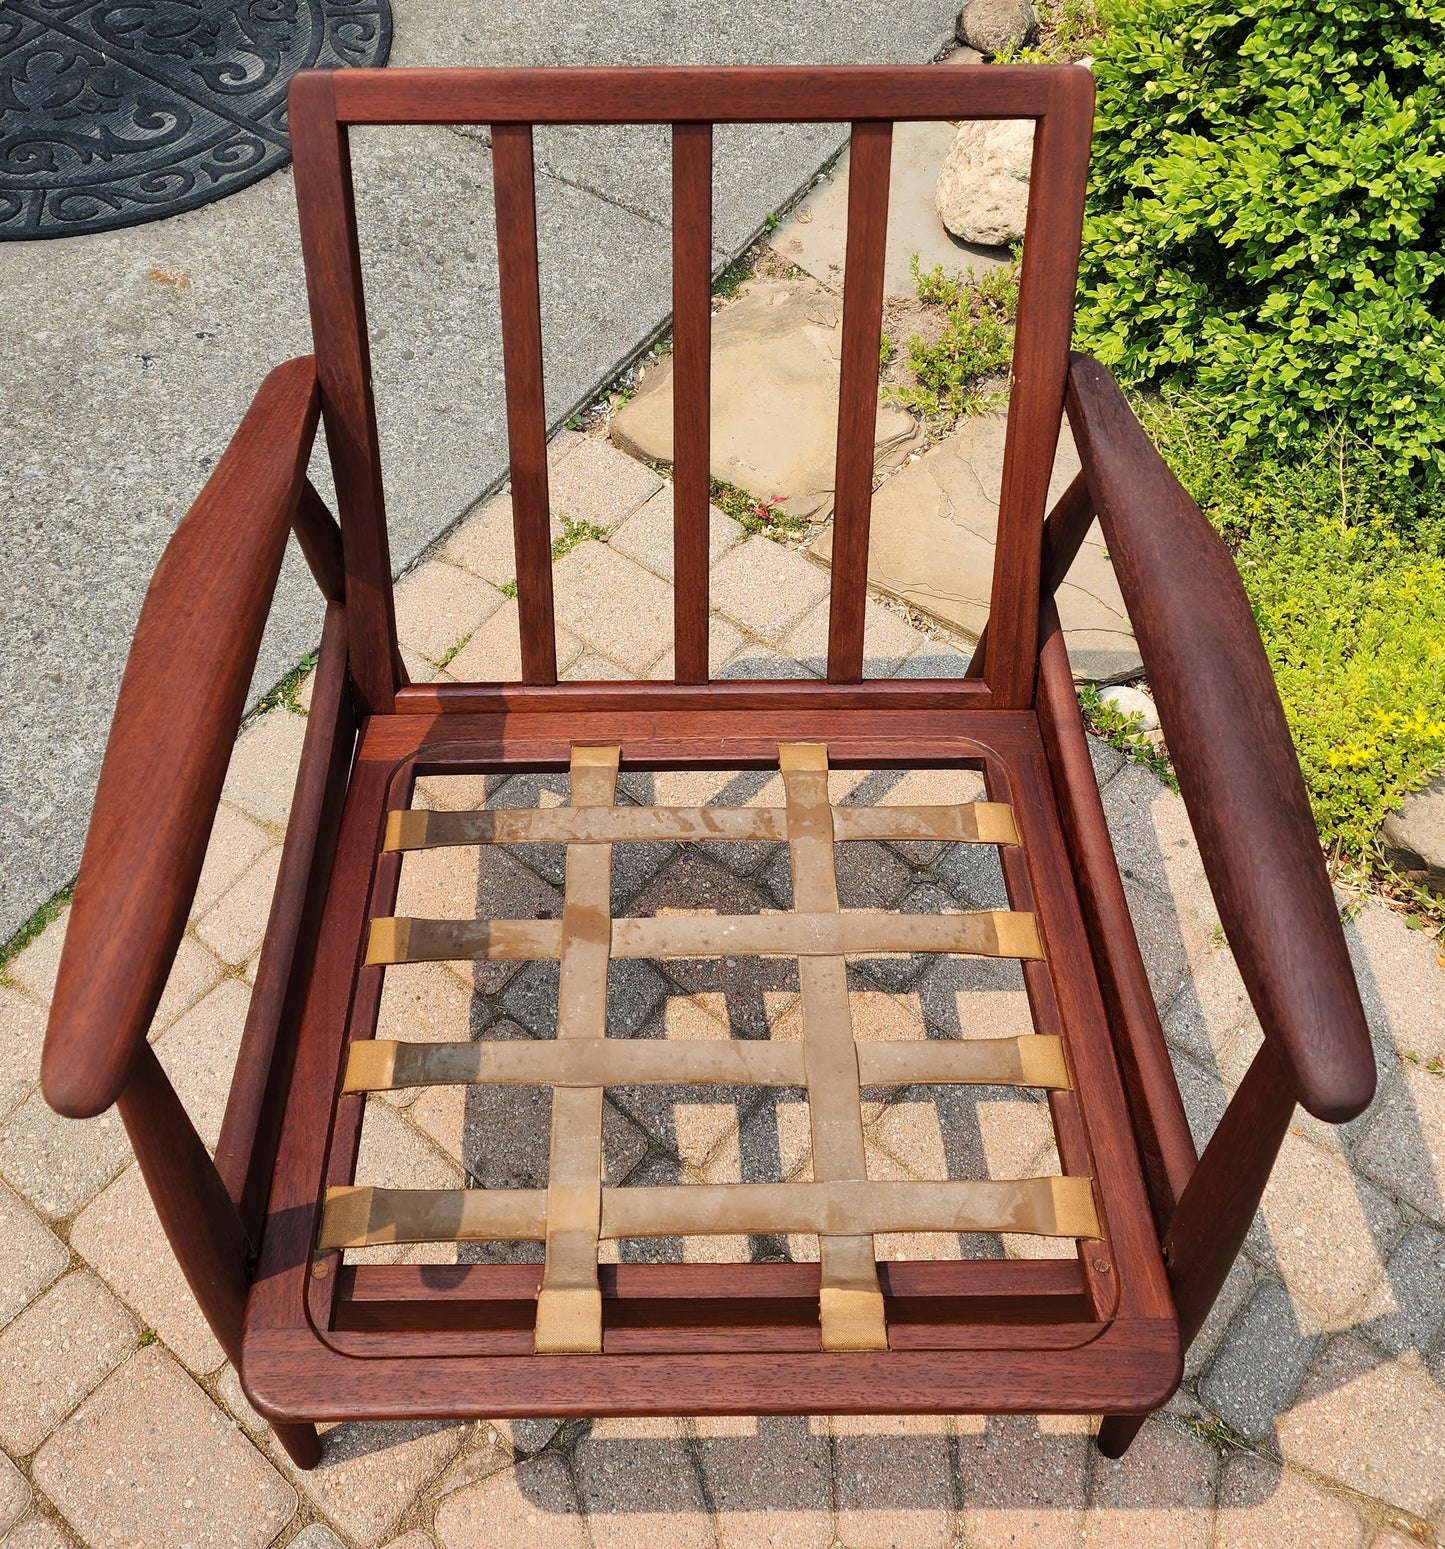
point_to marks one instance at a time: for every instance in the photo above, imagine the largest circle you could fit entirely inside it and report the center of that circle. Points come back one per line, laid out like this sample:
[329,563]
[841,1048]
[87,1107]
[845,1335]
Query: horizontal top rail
[715,94]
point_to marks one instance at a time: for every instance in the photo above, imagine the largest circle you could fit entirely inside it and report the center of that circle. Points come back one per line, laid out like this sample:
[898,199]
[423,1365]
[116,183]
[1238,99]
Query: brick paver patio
[1314,1411]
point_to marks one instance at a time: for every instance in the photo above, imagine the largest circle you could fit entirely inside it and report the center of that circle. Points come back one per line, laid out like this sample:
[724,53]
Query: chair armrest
[181,700]
[1231,748]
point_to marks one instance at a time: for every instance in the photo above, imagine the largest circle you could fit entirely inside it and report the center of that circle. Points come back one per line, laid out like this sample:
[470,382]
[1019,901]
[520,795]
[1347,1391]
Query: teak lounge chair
[261,1232]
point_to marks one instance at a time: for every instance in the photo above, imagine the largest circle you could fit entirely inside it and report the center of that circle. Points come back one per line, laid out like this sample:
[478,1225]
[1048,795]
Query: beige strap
[983,822]
[851,1302]
[569,1305]
[859,933]
[380,1065]
[1040,1207]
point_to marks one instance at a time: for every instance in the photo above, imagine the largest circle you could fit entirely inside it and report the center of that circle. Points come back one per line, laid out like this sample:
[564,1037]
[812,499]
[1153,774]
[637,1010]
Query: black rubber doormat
[115,112]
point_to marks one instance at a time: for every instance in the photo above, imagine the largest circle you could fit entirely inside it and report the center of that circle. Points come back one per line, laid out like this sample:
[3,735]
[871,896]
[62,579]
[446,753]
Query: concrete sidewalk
[131,355]
[1314,1406]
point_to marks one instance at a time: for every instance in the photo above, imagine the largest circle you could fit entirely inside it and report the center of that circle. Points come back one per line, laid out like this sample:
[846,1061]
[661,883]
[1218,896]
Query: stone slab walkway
[131,355]
[1314,1411]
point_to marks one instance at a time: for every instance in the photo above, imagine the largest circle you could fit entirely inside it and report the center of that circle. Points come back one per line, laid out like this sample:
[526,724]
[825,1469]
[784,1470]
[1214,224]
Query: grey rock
[931,544]
[775,354]
[1414,836]
[991,26]
[1133,701]
[983,189]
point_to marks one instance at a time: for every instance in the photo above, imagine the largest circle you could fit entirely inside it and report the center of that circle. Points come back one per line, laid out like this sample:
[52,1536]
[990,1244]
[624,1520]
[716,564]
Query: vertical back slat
[868,157]
[1040,367]
[691,393]
[327,210]
[526,406]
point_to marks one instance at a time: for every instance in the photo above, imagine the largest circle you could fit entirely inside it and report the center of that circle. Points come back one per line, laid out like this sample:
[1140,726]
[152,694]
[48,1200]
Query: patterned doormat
[115,112]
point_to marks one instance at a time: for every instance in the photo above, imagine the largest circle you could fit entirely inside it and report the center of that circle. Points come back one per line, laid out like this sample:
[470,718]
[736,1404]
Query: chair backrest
[871,98]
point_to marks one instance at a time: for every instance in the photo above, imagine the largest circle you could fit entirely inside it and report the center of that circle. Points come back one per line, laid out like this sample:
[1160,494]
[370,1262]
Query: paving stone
[1156,926]
[1403,1145]
[770,1481]
[438,606]
[613,604]
[1106,759]
[1260,1364]
[1232,1296]
[485,542]
[54,1353]
[1024,1480]
[755,663]
[393,1155]
[58,1164]
[370,1474]
[416,1540]
[815,236]
[532,1506]
[234,929]
[974,875]
[494,653]
[149,1459]
[591,668]
[640,1486]
[35,968]
[935,659]
[38,1532]
[766,588]
[1400,979]
[775,353]
[22,1036]
[647,535]
[597,483]
[724,644]
[262,773]
[1156,849]
[235,842]
[199,1055]
[14,1494]
[1262,1506]
[931,544]
[194,972]
[1407,1310]
[1326,1231]
[887,640]
[1209,1009]
[1161,1491]
[121,1236]
[1377,1426]
[1413,836]
[893,1481]
[317,1536]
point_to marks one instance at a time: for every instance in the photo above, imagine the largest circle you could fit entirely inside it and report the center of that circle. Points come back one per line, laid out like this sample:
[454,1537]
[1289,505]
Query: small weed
[575,532]
[508,588]
[1067,31]
[1217,936]
[286,691]
[729,284]
[576,423]
[147,1337]
[1124,732]
[1435,1065]
[976,343]
[754,515]
[445,658]
[772,220]
[31,929]
[885,350]
[1211,1429]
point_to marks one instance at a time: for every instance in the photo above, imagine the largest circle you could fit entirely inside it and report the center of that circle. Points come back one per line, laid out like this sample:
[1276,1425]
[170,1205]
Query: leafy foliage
[1267,214]
[1124,730]
[949,375]
[753,515]
[1344,563]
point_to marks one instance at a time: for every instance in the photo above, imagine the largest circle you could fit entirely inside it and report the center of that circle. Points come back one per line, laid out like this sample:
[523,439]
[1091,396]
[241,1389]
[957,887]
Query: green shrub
[976,344]
[1344,564]
[1266,211]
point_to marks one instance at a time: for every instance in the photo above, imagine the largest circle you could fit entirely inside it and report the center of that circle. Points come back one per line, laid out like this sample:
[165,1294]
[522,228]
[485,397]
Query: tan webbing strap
[1041,1207]
[983,822]
[380,1065]
[859,933]
[851,1302]
[569,1304]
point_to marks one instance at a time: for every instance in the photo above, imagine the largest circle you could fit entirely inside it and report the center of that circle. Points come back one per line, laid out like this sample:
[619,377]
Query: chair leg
[1117,1432]
[302,1443]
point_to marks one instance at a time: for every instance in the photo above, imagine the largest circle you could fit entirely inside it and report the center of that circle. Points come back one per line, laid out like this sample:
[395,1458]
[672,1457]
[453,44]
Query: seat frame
[318,1339]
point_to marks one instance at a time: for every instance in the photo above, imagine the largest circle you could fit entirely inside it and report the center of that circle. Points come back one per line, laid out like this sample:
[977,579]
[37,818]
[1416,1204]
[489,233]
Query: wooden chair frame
[316,1338]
